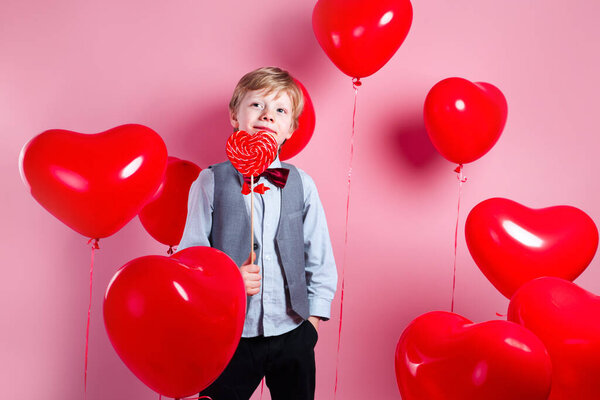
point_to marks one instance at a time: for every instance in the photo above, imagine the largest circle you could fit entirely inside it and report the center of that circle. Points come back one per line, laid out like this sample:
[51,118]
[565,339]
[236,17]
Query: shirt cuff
[319,307]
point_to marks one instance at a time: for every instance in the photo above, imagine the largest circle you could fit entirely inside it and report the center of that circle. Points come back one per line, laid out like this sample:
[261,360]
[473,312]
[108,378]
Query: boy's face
[259,111]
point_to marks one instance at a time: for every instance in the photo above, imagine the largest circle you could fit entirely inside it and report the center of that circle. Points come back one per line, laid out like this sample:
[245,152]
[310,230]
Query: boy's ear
[292,130]
[233,119]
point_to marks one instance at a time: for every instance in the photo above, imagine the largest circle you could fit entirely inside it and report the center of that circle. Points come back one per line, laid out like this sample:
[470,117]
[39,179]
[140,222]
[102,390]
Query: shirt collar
[276,163]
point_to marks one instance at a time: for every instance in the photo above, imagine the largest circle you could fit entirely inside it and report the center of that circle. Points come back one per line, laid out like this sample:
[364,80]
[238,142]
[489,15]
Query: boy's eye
[257,105]
[281,110]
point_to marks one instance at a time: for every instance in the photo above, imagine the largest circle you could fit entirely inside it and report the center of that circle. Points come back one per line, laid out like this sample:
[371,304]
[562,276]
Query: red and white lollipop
[249,153]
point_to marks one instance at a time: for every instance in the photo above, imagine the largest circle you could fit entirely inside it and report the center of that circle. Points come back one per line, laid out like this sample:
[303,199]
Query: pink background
[172,66]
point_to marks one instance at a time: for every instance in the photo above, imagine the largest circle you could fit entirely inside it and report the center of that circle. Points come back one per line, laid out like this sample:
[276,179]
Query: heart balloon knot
[356,83]
[170,251]
[94,243]
[461,178]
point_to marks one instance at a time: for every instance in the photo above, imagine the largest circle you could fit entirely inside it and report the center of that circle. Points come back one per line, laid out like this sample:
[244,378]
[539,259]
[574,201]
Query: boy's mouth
[264,128]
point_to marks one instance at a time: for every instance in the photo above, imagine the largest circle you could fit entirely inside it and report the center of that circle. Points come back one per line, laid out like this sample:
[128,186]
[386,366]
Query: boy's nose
[266,117]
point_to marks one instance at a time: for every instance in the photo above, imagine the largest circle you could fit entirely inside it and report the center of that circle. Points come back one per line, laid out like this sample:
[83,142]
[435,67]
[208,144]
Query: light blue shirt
[269,312]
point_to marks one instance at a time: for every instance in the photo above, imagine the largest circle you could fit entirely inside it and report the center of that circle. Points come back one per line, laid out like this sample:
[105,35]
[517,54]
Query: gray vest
[231,223]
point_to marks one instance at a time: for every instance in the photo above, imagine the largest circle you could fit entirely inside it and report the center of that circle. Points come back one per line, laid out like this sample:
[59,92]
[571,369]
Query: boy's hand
[315,321]
[251,275]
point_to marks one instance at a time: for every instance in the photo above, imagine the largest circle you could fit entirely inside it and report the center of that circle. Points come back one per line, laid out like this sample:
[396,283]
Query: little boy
[290,277]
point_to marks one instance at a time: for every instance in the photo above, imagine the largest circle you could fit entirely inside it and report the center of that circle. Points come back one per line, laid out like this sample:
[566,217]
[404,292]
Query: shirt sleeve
[199,214]
[321,272]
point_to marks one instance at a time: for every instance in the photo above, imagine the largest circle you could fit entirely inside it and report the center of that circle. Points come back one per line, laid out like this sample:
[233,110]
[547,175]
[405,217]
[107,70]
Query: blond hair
[271,79]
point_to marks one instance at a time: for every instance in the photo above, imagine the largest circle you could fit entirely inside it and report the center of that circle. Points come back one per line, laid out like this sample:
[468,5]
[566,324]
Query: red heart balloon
[95,183]
[444,356]
[176,322]
[361,36]
[164,215]
[565,317]
[306,127]
[463,119]
[513,244]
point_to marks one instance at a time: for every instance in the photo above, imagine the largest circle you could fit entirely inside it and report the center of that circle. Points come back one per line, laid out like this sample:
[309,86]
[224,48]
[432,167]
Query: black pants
[287,361]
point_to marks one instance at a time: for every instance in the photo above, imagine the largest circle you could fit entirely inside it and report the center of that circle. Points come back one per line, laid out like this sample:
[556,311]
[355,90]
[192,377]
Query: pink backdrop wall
[172,66]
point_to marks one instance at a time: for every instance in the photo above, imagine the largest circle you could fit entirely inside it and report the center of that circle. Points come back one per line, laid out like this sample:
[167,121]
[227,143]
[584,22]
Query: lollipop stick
[251,215]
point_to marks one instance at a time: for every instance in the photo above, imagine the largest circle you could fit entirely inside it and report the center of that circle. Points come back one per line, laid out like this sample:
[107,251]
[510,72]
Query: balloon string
[95,246]
[191,398]
[355,84]
[461,180]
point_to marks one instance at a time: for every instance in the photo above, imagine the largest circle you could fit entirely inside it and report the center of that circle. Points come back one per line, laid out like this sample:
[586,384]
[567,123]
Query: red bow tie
[277,176]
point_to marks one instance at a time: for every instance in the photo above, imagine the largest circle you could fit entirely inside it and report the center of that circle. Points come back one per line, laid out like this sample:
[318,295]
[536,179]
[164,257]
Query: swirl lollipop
[251,154]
